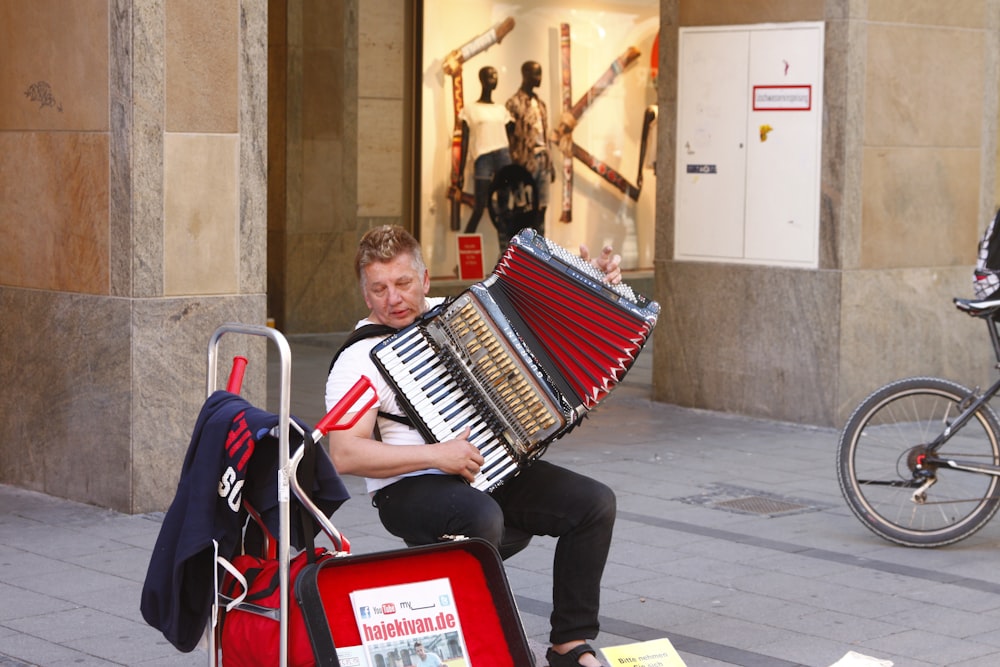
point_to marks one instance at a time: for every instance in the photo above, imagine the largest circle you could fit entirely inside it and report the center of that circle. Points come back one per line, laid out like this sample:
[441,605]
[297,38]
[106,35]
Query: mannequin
[484,136]
[528,132]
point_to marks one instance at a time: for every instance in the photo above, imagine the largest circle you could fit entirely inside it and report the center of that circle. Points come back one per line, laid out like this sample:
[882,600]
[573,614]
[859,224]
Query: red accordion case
[491,626]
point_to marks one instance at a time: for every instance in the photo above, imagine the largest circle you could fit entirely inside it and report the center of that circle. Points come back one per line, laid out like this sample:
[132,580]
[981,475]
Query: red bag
[252,638]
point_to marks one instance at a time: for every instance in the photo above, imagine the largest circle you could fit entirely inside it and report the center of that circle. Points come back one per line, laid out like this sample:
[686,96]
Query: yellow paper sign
[655,653]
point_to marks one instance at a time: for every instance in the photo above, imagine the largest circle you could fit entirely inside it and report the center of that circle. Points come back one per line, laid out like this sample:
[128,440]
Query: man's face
[394,291]
[421,652]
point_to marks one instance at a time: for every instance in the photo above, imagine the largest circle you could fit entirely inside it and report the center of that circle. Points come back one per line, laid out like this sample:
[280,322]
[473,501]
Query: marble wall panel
[317,205]
[146,154]
[843,141]
[277,94]
[380,164]
[956,13]
[350,121]
[836,83]
[322,85]
[320,192]
[322,295]
[381,50]
[920,207]
[924,86]
[170,344]
[736,12]
[120,150]
[201,211]
[807,346]
[201,65]
[901,322]
[95,378]
[54,211]
[666,132]
[251,183]
[767,346]
[54,69]
[319,19]
[295,166]
[66,395]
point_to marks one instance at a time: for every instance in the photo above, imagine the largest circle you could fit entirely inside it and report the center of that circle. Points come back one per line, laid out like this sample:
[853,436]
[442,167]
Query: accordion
[520,358]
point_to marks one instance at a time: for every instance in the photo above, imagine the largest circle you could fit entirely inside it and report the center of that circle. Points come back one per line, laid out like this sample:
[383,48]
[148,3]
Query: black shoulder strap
[359,334]
[366,331]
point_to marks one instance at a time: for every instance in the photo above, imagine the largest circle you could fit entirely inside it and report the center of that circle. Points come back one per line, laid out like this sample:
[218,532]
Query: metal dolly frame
[287,465]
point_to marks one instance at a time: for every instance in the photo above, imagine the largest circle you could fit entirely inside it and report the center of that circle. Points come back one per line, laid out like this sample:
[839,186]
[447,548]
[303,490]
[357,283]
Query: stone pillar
[132,207]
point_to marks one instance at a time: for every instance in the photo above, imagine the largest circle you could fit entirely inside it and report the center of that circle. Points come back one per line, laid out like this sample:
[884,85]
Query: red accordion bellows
[589,331]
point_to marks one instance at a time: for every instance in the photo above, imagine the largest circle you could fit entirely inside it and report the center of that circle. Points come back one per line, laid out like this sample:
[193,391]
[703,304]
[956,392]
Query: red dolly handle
[353,395]
[329,421]
[236,375]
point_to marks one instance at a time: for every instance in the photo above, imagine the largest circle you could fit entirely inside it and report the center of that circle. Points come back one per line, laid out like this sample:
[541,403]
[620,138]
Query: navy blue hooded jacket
[232,456]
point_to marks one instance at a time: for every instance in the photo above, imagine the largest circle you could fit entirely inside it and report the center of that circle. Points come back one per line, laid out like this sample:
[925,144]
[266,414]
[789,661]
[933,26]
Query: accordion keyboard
[432,396]
[458,370]
[507,384]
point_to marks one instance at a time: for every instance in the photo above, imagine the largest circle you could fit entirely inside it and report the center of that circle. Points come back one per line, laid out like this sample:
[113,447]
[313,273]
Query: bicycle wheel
[876,464]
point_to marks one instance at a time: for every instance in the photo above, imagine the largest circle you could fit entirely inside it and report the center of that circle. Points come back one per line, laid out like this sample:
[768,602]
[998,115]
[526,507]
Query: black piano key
[419,373]
[434,384]
[479,429]
[487,468]
[453,410]
[406,344]
[408,359]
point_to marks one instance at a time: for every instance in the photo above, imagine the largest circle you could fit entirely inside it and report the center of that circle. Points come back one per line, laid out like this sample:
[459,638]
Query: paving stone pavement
[732,541]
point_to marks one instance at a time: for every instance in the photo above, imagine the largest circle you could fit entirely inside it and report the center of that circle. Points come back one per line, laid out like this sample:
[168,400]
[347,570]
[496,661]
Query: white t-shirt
[487,127]
[351,365]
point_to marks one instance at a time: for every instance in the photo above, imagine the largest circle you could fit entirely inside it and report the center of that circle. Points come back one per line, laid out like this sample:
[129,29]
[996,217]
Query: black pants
[544,499]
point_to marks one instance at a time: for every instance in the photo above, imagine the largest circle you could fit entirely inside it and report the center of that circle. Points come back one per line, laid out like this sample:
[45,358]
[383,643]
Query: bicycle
[919,459]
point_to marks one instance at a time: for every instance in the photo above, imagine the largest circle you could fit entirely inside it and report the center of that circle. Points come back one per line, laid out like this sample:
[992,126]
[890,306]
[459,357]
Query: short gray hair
[384,244]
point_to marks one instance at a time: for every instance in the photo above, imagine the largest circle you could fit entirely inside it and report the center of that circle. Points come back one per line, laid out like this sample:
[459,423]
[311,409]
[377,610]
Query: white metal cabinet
[749,125]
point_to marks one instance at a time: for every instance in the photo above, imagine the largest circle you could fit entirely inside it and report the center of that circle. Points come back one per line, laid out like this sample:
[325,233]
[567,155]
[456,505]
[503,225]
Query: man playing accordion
[422,490]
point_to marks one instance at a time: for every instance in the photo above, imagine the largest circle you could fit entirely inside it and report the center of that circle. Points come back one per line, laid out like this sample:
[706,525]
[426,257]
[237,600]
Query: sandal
[570,658]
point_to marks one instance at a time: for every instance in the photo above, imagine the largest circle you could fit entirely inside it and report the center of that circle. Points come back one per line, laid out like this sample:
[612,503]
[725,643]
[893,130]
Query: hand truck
[287,465]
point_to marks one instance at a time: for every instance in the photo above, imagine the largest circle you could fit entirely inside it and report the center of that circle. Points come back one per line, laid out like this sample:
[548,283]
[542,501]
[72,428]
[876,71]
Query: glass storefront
[593,67]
